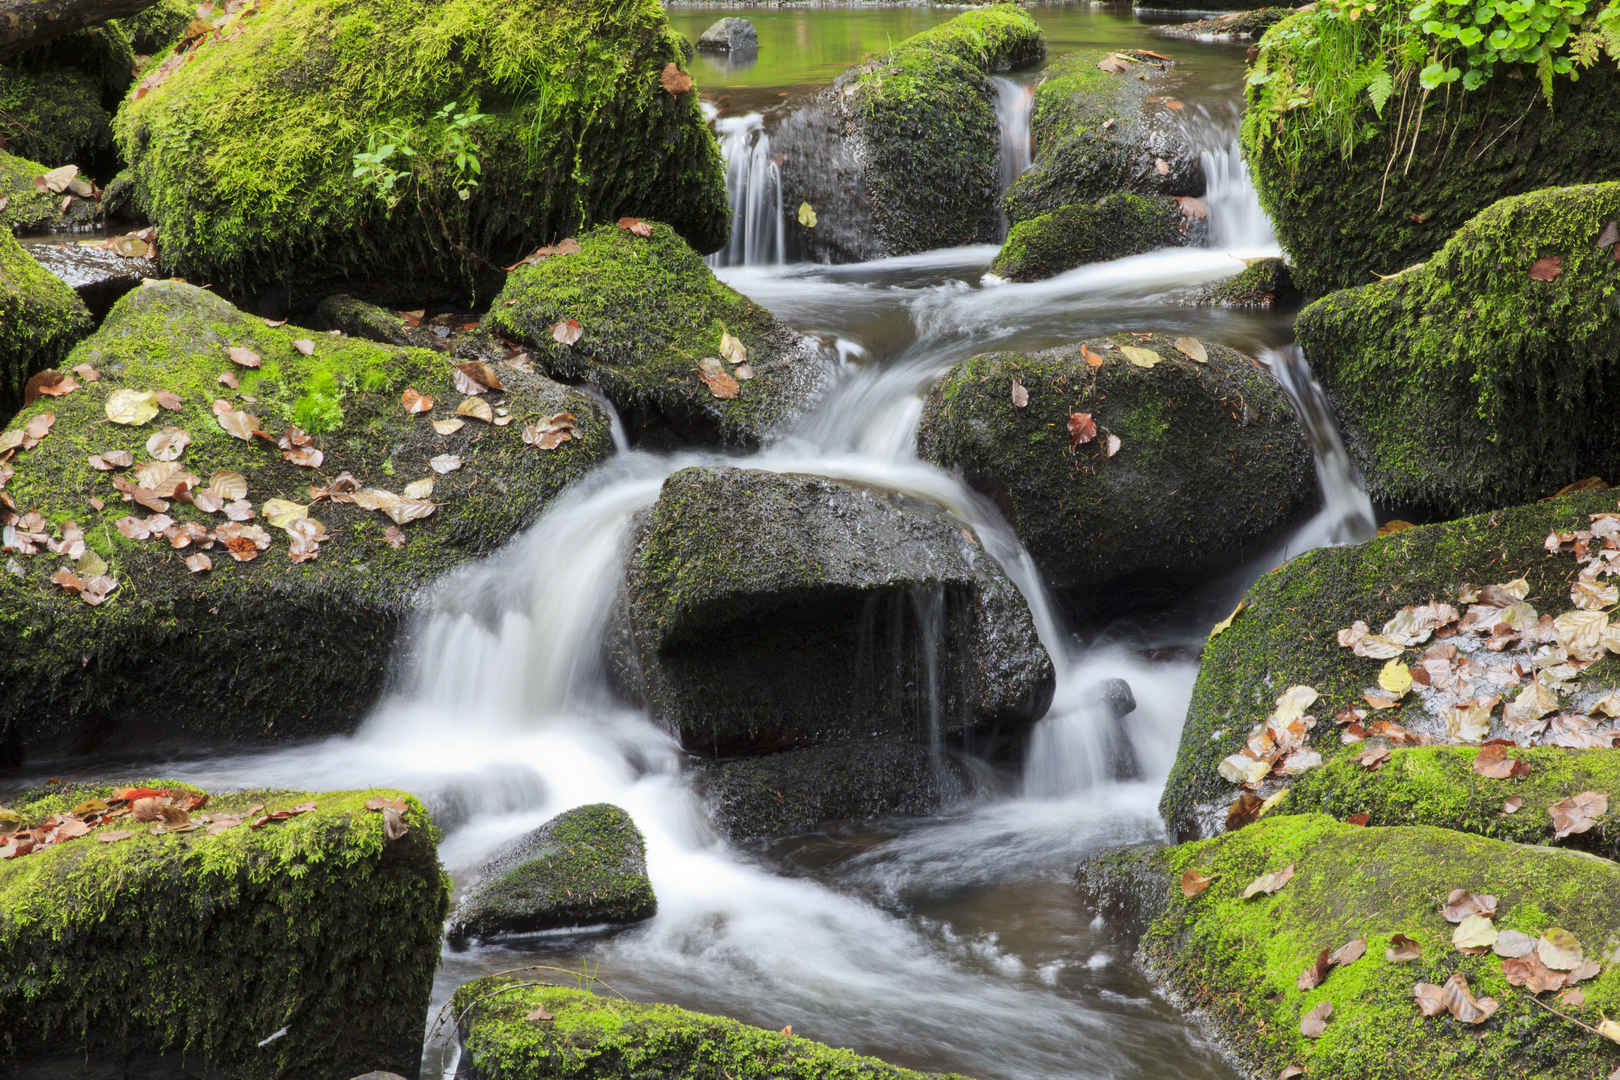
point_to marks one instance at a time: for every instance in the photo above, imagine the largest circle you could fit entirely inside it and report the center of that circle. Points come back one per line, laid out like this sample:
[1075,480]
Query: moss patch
[27,208]
[40,319]
[56,102]
[155,28]
[1120,225]
[1264,285]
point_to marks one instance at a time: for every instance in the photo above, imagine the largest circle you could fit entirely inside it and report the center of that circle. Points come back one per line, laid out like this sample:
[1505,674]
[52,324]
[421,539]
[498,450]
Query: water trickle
[1347,515]
[1236,220]
[754,186]
[1013,104]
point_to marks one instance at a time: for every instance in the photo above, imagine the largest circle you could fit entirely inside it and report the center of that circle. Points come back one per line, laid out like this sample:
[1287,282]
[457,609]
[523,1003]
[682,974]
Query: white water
[1014,101]
[754,184]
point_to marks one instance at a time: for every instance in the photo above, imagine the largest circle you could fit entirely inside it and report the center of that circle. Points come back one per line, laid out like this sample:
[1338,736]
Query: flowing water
[952,942]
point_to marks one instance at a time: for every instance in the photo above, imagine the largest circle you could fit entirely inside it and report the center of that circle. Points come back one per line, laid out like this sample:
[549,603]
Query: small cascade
[754,185]
[1235,217]
[1347,515]
[1013,104]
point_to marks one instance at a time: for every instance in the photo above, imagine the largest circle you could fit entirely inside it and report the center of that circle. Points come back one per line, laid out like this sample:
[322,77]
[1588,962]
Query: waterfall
[1235,217]
[1013,104]
[1347,514]
[754,185]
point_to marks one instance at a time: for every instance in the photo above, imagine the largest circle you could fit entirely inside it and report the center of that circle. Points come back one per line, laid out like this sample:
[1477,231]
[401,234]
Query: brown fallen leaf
[1460,903]
[1546,269]
[1193,883]
[1462,1004]
[1402,949]
[1348,953]
[1493,762]
[712,373]
[538,1015]
[1512,804]
[1314,972]
[1431,999]
[244,357]
[415,402]
[635,225]
[1529,972]
[1269,883]
[566,332]
[1578,813]
[675,80]
[1314,1023]
[1082,428]
[1020,396]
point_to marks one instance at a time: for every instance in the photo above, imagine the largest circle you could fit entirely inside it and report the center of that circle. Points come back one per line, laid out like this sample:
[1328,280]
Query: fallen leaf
[1546,269]
[1402,949]
[131,407]
[1431,999]
[394,537]
[1193,883]
[419,489]
[1460,904]
[1193,349]
[476,408]
[1269,883]
[636,225]
[244,357]
[538,1015]
[1578,813]
[475,377]
[1314,972]
[807,215]
[1529,972]
[1082,428]
[448,427]
[1020,396]
[1513,943]
[1474,932]
[168,444]
[566,332]
[1142,358]
[675,80]
[1512,804]
[1314,1022]
[1226,623]
[732,350]
[1462,1005]
[712,372]
[415,402]
[445,463]
[1395,677]
[1112,444]
[1348,953]
[199,563]
[1559,949]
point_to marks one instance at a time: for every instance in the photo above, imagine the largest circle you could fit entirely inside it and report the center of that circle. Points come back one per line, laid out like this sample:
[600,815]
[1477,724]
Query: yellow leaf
[1227,622]
[1142,358]
[477,408]
[1396,677]
[132,407]
[280,513]
[732,350]
[1193,349]
[1609,1030]
[807,215]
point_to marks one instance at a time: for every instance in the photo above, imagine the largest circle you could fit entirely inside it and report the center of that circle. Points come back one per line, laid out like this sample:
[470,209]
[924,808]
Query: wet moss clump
[606,1038]
[648,311]
[245,156]
[198,946]
[155,28]
[40,320]
[1351,195]
[1263,285]
[26,209]
[57,101]
[1490,374]
[268,647]
[1211,461]
[1237,961]
[1119,225]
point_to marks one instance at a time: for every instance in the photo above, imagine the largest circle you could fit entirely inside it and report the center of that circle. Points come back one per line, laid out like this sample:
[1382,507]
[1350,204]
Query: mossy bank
[1111,228]
[40,320]
[57,101]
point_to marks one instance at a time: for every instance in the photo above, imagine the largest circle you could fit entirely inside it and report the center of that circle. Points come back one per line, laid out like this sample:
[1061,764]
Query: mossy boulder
[1236,962]
[40,320]
[1438,785]
[901,154]
[1111,228]
[1286,634]
[1097,132]
[605,1038]
[355,317]
[769,611]
[178,953]
[1210,463]
[1263,285]
[1235,26]
[649,311]
[57,101]
[796,791]
[584,867]
[27,208]
[1349,202]
[271,646]
[157,26]
[1490,374]
[245,155]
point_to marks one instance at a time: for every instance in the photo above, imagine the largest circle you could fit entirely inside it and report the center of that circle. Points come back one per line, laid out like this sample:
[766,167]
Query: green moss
[1211,461]
[266,647]
[40,319]
[1470,383]
[996,37]
[360,319]
[27,209]
[1119,225]
[244,157]
[155,28]
[1347,206]
[1263,285]
[56,102]
[1437,785]
[1237,960]
[220,940]
[1286,634]
[607,1039]
[649,310]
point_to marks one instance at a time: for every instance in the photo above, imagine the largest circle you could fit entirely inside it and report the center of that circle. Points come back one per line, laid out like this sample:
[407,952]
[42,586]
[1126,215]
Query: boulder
[40,319]
[1490,374]
[901,154]
[1111,228]
[1099,130]
[270,646]
[300,947]
[1286,635]
[1118,703]
[1263,285]
[252,185]
[1234,26]
[23,206]
[585,867]
[729,35]
[614,1039]
[1209,465]
[98,275]
[649,315]
[769,611]
[1355,193]
[355,317]
[57,101]
[1240,964]
[796,791]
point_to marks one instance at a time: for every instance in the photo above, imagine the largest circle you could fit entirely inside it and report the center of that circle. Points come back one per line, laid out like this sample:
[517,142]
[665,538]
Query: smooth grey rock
[729,35]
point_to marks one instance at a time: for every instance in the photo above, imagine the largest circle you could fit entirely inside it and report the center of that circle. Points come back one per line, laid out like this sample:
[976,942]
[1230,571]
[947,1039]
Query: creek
[953,942]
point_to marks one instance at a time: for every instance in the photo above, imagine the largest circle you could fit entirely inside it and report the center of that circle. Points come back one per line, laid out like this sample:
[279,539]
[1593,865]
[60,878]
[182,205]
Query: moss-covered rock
[245,156]
[796,791]
[1263,285]
[1236,961]
[1349,201]
[40,320]
[1286,635]
[584,867]
[648,311]
[1474,381]
[197,946]
[266,647]
[1210,462]
[613,1039]
[1437,785]
[56,102]
[901,153]
[355,317]
[1099,132]
[774,610]
[1236,26]
[1111,228]
[26,208]
[157,26]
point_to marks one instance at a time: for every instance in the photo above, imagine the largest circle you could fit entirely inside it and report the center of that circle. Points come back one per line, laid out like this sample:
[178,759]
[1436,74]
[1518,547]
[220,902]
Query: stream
[953,942]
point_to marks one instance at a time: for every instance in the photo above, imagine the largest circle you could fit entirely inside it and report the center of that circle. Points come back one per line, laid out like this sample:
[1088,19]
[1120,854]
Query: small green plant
[399,160]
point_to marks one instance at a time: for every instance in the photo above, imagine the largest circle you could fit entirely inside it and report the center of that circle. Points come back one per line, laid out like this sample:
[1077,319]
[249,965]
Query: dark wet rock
[304,948]
[1127,887]
[57,101]
[584,867]
[1211,462]
[1118,703]
[649,311]
[355,317]
[796,791]
[770,611]
[901,154]
[100,276]
[1100,132]
[40,320]
[1263,285]
[729,35]
[1234,26]
[1473,381]
[1111,228]
[291,647]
